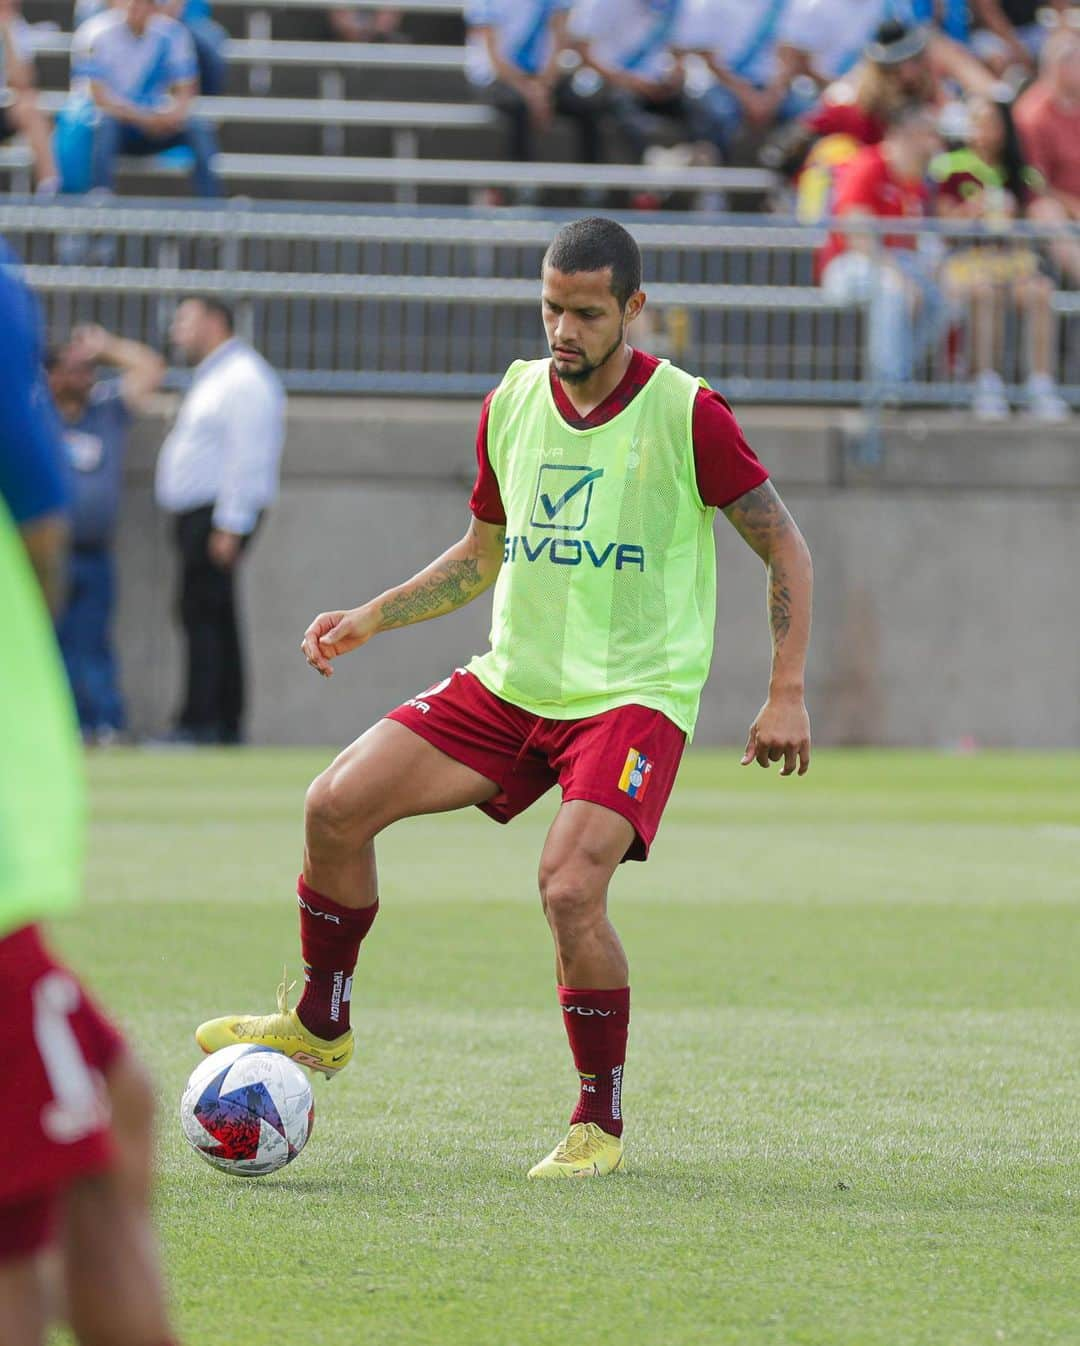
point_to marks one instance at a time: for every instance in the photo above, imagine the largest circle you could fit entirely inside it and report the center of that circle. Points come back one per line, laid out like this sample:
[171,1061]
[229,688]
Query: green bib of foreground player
[41,781]
[607,593]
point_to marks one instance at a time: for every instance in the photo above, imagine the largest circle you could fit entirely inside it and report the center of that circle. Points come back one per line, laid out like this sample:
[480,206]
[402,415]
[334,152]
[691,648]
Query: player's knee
[332,813]
[569,899]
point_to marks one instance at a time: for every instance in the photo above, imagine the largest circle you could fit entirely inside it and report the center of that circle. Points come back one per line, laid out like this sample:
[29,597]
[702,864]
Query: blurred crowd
[793,83]
[963,111]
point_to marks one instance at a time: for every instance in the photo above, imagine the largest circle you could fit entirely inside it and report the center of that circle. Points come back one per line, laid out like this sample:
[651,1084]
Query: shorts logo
[563,496]
[635,774]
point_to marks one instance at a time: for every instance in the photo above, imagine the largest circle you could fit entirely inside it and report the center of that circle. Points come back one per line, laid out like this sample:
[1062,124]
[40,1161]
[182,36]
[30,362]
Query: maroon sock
[596,1024]
[330,936]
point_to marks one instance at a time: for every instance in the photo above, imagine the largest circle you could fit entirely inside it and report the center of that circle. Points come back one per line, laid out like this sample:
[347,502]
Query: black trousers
[521,137]
[213,707]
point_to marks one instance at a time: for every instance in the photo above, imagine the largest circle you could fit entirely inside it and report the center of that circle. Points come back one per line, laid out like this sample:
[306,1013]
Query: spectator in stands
[349,25]
[1048,117]
[208,37]
[216,475]
[140,70]
[987,180]
[897,67]
[96,417]
[1009,32]
[737,42]
[824,39]
[626,48]
[19,111]
[888,271]
[512,60]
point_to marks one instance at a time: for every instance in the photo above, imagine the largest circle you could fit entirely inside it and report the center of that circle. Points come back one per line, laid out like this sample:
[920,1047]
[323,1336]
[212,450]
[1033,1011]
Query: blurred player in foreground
[76,1107]
[600,471]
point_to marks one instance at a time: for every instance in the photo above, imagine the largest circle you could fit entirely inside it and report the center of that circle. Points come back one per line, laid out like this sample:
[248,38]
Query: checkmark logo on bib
[563,496]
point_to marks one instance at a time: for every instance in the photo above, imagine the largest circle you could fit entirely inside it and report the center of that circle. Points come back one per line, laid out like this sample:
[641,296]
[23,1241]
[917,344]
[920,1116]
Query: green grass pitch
[852,1092]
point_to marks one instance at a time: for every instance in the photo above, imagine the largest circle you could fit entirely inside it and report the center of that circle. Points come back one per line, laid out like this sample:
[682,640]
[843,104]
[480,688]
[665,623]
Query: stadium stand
[440,144]
[357,263]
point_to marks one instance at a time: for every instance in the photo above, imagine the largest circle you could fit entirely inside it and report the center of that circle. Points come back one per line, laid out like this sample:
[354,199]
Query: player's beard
[588,368]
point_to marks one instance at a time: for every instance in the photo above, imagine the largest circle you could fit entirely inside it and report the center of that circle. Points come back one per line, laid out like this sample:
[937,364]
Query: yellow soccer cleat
[283,1032]
[587,1152]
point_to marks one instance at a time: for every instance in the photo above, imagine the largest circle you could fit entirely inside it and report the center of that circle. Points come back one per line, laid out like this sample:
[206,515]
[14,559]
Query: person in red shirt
[888,271]
[1048,118]
[902,64]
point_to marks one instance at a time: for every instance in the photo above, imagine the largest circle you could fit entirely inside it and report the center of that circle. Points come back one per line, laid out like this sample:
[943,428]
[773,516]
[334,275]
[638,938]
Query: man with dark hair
[598,244]
[217,474]
[599,474]
[97,415]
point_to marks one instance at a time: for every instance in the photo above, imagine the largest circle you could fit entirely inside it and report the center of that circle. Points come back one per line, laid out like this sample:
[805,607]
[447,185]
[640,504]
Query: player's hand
[781,730]
[335,633]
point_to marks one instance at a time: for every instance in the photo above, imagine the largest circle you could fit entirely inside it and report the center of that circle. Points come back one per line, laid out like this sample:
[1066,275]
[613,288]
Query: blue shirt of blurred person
[95,460]
[139,67]
[522,31]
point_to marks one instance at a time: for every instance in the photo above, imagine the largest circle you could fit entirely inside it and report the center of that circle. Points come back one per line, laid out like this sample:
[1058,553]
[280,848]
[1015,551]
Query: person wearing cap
[888,271]
[824,40]
[895,69]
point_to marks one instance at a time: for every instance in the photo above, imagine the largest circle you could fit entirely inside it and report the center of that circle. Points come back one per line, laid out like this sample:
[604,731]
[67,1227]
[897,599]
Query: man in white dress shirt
[216,474]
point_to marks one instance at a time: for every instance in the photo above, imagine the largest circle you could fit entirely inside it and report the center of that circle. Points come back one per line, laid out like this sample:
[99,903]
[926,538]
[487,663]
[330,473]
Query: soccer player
[600,470]
[76,1107]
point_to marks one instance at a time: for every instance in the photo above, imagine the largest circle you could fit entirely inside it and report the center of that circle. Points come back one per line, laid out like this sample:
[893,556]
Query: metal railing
[439,302]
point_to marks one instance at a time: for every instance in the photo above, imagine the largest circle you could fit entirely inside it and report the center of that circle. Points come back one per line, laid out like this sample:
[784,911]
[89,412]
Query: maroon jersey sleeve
[727,466]
[486,500]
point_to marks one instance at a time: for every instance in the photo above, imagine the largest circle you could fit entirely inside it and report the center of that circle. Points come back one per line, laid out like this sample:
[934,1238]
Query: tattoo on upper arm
[760,517]
[450,587]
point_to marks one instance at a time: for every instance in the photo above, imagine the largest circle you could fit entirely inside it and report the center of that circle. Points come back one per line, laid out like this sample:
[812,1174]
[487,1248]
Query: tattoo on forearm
[762,520]
[451,587]
[779,606]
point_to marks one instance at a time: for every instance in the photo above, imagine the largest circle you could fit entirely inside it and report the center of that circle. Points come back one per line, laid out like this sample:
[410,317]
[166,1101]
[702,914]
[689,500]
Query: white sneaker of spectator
[989,402]
[1045,403]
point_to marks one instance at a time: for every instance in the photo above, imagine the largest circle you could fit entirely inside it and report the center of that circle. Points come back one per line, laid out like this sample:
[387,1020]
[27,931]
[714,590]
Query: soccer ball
[247,1110]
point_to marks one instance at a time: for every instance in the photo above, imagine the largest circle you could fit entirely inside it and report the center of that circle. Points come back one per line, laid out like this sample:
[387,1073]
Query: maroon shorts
[52,1089]
[625,759]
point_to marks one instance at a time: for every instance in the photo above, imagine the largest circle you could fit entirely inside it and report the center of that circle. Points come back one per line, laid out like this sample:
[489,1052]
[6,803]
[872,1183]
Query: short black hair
[213,304]
[594,244]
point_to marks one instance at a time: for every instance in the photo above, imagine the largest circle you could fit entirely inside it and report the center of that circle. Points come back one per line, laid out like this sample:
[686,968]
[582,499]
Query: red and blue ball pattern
[248,1110]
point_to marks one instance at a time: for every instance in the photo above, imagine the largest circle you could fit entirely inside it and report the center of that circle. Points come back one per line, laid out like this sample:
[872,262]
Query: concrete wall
[947,576]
